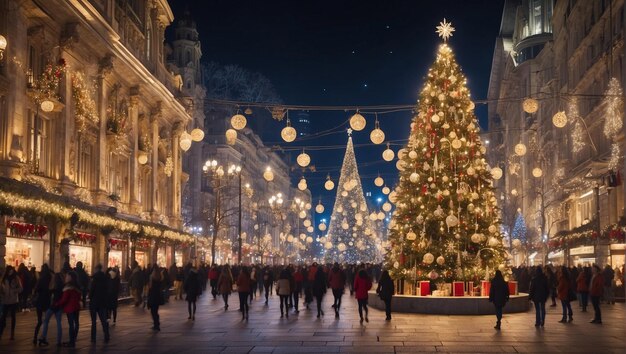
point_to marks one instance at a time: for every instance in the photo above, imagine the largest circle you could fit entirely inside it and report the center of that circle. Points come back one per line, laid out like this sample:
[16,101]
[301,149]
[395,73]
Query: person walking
[283,290]
[318,288]
[83,281]
[596,290]
[58,282]
[253,282]
[113,292]
[564,294]
[193,289]
[552,280]
[225,284]
[70,303]
[244,285]
[98,301]
[136,283]
[155,297]
[10,290]
[42,296]
[538,293]
[385,291]
[582,287]
[297,289]
[213,277]
[337,282]
[498,295]
[25,279]
[268,280]
[362,284]
[608,274]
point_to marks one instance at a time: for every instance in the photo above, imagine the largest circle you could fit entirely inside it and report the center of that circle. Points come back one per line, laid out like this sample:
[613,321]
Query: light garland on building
[84,104]
[613,115]
[578,134]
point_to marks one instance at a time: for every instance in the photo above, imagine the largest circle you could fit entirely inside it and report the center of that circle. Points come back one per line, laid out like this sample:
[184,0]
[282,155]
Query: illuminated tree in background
[446,222]
[519,229]
[351,237]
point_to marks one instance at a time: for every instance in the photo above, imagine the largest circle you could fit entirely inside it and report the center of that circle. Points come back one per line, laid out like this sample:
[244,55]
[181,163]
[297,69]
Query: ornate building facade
[90,123]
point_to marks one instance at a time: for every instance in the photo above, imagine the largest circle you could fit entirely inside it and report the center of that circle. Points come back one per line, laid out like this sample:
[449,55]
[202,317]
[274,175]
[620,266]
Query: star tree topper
[445,29]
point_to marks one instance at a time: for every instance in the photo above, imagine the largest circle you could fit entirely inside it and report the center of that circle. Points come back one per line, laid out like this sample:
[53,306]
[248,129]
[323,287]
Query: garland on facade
[47,84]
[27,230]
[587,235]
[117,244]
[117,117]
[83,238]
[84,104]
[143,244]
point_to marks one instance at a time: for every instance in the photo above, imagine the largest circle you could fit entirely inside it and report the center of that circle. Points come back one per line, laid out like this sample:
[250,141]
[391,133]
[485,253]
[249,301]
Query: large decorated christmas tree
[351,236]
[446,223]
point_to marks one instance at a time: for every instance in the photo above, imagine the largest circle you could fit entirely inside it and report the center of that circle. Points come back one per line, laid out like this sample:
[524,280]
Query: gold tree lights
[446,224]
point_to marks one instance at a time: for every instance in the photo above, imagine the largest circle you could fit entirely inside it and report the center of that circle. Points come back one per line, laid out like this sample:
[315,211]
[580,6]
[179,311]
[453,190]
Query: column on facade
[101,144]
[154,135]
[175,195]
[133,115]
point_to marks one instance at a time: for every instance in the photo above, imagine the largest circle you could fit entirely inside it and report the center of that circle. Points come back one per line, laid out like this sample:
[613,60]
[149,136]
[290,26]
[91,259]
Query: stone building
[90,122]
[558,173]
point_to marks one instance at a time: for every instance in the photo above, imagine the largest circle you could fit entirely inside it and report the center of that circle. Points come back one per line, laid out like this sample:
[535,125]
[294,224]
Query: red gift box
[513,288]
[424,288]
[470,288]
[485,286]
[458,288]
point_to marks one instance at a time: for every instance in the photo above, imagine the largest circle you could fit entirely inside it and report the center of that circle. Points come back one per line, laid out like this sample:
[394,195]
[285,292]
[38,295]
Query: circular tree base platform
[449,305]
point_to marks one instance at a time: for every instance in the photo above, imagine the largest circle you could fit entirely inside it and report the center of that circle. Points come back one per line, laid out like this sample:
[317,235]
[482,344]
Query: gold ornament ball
[288,134]
[414,177]
[231,136]
[388,155]
[393,197]
[268,175]
[559,119]
[377,136]
[303,159]
[47,105]
[413,154]
[386,190]
[142,157]
[441,260]
[530,105]
[400,165]
[520,149]
[476,238]
[514,192]
[456,143]
[537,172]
[306,223]
[322,227]
[319,209]
[411,235]
[496,173]
[428,258]
[379,181]
[380,215]
[197,135]
[357,122]
[329,185]
[386,206]
[238,121]
[185,141]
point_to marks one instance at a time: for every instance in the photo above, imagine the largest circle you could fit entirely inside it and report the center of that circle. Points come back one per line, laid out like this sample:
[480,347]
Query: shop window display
[81,254]
[115,259]
[29,252]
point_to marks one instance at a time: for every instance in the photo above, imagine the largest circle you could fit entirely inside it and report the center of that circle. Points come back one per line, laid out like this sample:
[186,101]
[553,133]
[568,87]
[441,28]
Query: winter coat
[192,286]
[282,287]
[361,287]
[597,285]
[113,292]
[298,278]
[319,283]
[155,292]
[539,289]
[225,283]
[10,289]
[42,292]
[312,273]
[83,279]
[98,291]
[244,283]
[213,274]
[337,279]
[70,300]
[268,277]
[608,274]
[386,289]
[582,283]
[499,292]
[562,289]
[136,279]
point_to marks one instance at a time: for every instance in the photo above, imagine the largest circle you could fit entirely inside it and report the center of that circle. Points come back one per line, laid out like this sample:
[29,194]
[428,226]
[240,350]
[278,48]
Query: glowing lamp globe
[302,214]
[441,260]
[142,157]
[496,173]
[537,172]
[517,243]
[197,135]
[231,136]
[319,208]
[559,119]
[386,206]
[303,159]
[393,197]
[238,121]
[428,258]
[357,122]
[380,215]
[322,227]
[310,229]
[412,154]
[288,133]
[520,149]
[329,185]
[388,154]
[309,239]
[414,177]
[185,141]
[411,235]
[268,175]
[378,181]
[386,190]
[328,245]
[302,184]
[530,105]
[47,105]
[377,136]
[341,247]
[306,223]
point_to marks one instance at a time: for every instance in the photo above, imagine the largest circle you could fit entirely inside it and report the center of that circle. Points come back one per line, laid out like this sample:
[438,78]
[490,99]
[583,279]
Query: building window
[85,164]
[39,145]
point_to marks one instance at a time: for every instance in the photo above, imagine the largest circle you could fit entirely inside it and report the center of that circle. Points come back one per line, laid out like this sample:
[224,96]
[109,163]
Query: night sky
[346,53]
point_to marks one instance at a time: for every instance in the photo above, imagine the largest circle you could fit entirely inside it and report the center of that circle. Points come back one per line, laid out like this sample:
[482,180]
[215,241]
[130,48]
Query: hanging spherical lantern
[414,177]
[377,136]
[496,173]
[185,141]
[380,215]
[302,214]
[290,238]
[537,172]
[412,154]
[142,157]
[268,175]
[288,133]
[303,159]
[319,208]
[386,206]
[238,121]
[388,154]
[428,258]
[302,184]
[306,223]
[231,136]
[357,122]
[47,105]
[322,227]
[530,105]
[307,206]
[197,135]
[309,239]
[386,190]
[393,197]
[400,165]
[441,260]
[559,119]
[378,181]
[411,235]
[329,184]
[520,149]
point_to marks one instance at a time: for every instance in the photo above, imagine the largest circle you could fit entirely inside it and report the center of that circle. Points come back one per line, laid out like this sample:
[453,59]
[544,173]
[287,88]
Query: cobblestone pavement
[218,331]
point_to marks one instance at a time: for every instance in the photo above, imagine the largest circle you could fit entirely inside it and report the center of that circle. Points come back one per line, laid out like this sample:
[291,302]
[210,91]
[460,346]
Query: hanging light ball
[197,135]
[378,181]
[238,121]
[303,159]
[328,245]
[231,136]
[393,197]
[142,157]
[322,227]
[309,239]
[386,190]
[400,165]
[414,177]
[456,143]
[302,184]
[268,175]
[47,105]
[386,206]
[388,154]
[319,208]
[302,214]
[559,119]
[357,122]
[329,184]
[496,173]
[428,258]
[380,215]
[288,133]
[185,141]
[411,236]
[413,154]
[306,223]
[520,149]
[537,172]
[530,105]
[377,136]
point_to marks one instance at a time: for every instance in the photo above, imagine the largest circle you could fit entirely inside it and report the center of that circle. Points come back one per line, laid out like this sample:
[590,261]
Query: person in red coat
[70,303]
[243,289]
[362,284]
[213,276]
[563,293]
[595,291]
[337,282]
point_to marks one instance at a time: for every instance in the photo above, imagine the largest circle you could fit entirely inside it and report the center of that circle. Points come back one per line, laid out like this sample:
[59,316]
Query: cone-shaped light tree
[446,223]
[351,236]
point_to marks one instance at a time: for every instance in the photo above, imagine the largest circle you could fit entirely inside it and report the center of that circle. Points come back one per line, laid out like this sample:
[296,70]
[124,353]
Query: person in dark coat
[42,297]
[155,297]
[386,290]
[538,293]
[552,285]
[136,283]
[319,289]
[25,279]
[244,285]
[268,281]
[83,281]
[498,295]
[193,289]
[113,293]
[98,301]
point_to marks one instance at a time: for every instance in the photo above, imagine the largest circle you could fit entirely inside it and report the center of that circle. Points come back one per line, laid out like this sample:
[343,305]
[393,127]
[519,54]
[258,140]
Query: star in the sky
[445,29]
